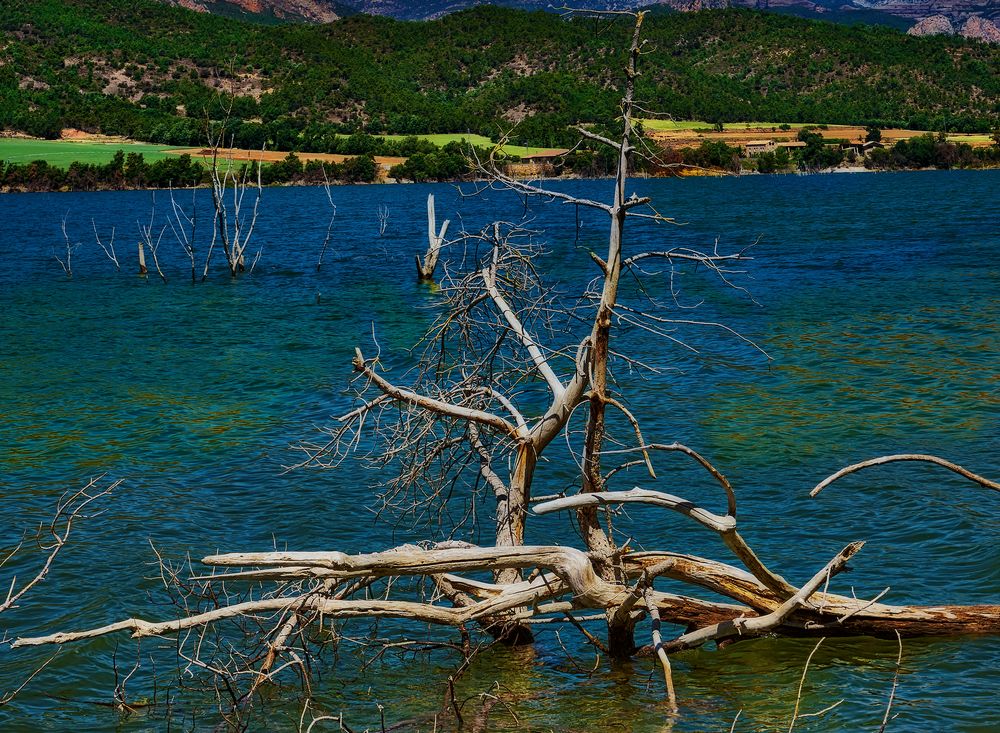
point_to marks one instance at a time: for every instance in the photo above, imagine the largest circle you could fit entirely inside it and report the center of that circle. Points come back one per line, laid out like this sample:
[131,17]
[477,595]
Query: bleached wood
[429,403]
[640,496]
[537,358]
[918,457]
[109,249]
[745,627]
[661,654]
[435,240]
[571,566]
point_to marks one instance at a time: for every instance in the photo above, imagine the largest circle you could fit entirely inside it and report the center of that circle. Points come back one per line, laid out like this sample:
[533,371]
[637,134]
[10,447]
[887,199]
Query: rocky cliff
[932,26]
[981,28]
[313,11]
[970,18]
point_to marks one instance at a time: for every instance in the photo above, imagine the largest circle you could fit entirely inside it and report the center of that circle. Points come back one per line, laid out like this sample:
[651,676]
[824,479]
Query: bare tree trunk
[512,511]
[151,243]
[600,543]
[333,218]
[383,219]
[67,264]
[435,238]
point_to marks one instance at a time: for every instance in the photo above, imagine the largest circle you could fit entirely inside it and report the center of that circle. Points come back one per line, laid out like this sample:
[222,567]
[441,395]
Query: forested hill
[154,72]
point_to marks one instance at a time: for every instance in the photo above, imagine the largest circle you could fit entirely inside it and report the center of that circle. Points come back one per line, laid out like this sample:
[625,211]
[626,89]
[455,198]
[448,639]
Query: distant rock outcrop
[975,26]
[689,6]
[314,11]
[971,18]
[934,25]
[981,28]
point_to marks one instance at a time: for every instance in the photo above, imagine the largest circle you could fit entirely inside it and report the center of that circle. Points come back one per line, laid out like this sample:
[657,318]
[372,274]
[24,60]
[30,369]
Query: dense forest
[157,73]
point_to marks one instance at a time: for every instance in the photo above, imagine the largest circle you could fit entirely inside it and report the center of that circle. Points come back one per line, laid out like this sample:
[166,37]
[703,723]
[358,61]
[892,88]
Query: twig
[895,684]
[802,681]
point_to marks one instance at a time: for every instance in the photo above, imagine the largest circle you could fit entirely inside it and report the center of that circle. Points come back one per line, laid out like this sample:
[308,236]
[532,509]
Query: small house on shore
[753,148]
[862,149]
[544,156]
[540,164]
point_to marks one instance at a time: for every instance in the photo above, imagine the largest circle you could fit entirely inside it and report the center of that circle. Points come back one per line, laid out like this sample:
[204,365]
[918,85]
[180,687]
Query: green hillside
[157,73]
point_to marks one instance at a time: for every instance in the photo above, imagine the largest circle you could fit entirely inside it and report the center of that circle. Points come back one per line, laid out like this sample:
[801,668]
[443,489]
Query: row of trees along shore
[512,373]
[456,161]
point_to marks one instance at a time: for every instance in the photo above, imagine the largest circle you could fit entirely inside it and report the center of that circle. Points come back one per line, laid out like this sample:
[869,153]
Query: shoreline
[849,170]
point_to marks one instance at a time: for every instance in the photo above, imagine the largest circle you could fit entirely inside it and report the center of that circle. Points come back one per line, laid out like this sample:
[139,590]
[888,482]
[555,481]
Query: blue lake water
[877,298]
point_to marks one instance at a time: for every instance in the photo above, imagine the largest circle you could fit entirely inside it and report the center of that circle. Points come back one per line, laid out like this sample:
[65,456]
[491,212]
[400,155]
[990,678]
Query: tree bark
[601,544]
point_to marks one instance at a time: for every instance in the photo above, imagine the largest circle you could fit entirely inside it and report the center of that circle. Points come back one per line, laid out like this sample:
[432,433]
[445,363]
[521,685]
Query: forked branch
[434,405]
[71,507]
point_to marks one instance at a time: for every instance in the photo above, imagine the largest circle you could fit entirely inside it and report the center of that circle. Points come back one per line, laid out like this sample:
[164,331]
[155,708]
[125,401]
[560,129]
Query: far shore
[390,181]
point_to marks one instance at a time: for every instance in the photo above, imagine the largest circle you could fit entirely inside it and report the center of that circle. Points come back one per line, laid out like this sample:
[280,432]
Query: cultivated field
[691,133]
[702,126]
[84,148]
[63,152]
[273,156]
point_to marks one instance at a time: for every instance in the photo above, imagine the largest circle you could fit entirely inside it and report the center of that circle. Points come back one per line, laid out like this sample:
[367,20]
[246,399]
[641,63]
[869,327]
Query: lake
[876,296]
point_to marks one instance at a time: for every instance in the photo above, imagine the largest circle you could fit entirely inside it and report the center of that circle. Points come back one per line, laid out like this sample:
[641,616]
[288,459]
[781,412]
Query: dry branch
[918,457]
[756,626]
[70,508]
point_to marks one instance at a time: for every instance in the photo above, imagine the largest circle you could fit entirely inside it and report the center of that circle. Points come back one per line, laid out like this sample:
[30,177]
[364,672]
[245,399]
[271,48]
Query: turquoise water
[876,297]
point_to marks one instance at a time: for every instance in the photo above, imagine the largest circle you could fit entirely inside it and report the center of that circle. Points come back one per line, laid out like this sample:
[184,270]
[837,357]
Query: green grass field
[61,153]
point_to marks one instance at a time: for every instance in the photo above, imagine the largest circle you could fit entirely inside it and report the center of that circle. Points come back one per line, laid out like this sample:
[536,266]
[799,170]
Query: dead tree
[383,220]
[333,218]
[143,270]
[66,261]
[149,239]
[184,227]
[232,225]
[108,249]
[503,373]
[435,239]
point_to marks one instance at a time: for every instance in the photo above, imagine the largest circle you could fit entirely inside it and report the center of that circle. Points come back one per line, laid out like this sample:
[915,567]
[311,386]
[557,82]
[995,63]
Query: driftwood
[51,538]
[565,579]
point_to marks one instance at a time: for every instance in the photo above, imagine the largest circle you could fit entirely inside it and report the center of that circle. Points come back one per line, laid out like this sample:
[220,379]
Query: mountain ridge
[979,19]
[157,73]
